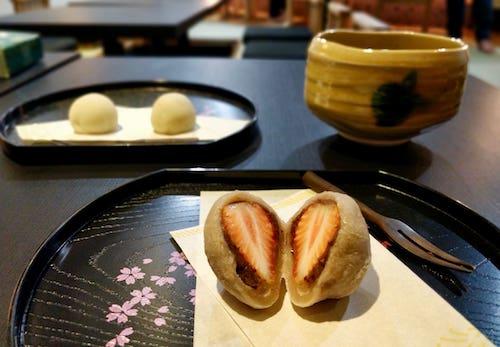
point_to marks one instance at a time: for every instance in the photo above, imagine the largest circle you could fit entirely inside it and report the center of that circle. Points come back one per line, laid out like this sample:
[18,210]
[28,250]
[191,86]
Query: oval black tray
[223,103]
[64,296]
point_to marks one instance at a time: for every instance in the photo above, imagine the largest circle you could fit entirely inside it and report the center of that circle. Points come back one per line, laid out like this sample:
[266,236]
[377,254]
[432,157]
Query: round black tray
[219,102]
[64,296]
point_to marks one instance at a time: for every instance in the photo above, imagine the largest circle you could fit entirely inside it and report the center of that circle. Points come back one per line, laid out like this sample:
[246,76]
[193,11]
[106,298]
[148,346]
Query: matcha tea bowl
[383,88]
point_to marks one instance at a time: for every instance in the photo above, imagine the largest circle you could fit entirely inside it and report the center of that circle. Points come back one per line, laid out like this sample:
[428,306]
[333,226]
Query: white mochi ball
[173,113]
[93,114]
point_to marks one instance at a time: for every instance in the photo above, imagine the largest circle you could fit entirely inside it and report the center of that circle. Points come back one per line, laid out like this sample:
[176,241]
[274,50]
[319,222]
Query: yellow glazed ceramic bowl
[382,88]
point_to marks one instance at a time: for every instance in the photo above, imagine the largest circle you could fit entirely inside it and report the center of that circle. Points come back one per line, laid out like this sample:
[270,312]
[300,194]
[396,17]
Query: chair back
[426,3]
[29,5]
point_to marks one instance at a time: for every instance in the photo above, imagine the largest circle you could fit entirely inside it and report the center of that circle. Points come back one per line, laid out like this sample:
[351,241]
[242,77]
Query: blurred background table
[158,21]
[49,62]
[130,3]
[460,158]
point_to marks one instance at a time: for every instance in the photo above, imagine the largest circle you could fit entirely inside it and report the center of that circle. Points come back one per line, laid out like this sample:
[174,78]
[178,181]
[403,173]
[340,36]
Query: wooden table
[459,158]
[49,62]
[169,19]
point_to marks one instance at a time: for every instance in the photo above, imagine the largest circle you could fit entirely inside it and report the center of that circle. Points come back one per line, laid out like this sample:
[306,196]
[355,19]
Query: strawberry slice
[313,233]
[252,234]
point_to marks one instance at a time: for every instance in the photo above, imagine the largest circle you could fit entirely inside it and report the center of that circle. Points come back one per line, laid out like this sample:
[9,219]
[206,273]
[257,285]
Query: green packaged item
[18,51]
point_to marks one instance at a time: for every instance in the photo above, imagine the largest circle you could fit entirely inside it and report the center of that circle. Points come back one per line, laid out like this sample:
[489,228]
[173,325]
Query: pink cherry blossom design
[171,268]
[121,313]
[163,309]
[130,275]
[159,321]
[147,261]
[121,339]
[192,292]
[189,270]
[177,258]
[161,281]
[143,296]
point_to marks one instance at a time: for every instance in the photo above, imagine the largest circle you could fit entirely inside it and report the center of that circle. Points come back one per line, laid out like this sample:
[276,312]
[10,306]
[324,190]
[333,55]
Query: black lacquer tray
[75,289]
[206,99]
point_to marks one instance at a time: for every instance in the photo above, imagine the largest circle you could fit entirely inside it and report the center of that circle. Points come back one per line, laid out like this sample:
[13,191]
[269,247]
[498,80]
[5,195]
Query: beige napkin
[135,126]
[392,307]
[213,324]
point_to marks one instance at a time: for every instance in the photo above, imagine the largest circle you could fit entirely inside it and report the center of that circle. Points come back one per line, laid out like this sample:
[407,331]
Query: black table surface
[460,158]
[49,62]
[170,19]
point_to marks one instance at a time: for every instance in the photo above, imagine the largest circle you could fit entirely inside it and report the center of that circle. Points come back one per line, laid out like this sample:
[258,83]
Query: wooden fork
[396,230]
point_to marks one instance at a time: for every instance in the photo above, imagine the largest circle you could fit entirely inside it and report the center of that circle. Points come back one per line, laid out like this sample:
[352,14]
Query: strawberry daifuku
[327,251]
[323,251]
[243,241]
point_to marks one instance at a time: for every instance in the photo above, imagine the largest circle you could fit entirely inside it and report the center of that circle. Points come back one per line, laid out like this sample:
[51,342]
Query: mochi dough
[173,113]
[93,114]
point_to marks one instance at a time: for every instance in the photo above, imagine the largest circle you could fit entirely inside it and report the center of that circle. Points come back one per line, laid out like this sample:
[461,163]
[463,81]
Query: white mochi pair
[172,113]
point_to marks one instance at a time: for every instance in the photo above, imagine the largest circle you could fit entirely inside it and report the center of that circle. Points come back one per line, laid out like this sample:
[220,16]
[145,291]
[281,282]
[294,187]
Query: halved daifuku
[327,249]
[243,243]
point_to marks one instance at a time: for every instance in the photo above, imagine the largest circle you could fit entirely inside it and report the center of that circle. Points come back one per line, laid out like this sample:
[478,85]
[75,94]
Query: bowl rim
[461,45]
[326,51]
